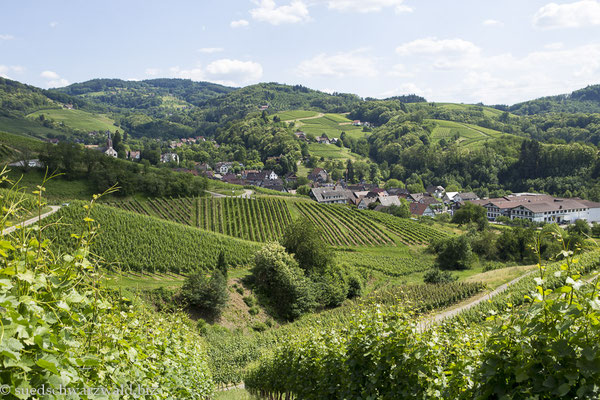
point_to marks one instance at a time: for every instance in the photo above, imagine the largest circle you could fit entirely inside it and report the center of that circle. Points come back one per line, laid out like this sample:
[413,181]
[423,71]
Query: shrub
[208,294]
[303,240]
[454,253]
[437,276]
[278,277]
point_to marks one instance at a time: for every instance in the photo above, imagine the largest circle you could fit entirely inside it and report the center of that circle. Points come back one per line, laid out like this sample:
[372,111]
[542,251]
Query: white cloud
[365,6]
[239,23]
[570,15]
[195,74]
[406,88]
[434,45]
[234,72]
[49,75]
[492,22]
[554,46]
[9,69]
[464,72]
[268,11]
[338,65]
[6,37]
[53,24]
[53,79]
[211,50]
[400,71]
[152,71]
[224,71]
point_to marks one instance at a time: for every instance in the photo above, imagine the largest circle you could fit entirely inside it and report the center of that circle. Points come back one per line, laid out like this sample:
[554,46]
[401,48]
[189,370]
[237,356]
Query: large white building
[541,208]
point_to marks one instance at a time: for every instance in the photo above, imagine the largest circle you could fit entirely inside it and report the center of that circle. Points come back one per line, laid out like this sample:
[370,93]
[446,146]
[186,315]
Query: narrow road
[436,319]
[319,115]
[31,221]
[246,195]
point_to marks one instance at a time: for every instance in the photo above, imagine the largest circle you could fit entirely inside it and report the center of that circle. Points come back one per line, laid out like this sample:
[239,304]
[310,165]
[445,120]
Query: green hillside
[265,218]
[76,119]
[13,147]
[468,135]
[129,241]
[332,125]
[586,100]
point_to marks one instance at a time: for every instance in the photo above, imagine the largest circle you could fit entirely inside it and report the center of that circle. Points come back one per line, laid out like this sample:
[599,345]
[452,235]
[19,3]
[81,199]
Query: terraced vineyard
[176,210]
[132,242]
[410,232]
[390,265]
[259,220]
[343,226]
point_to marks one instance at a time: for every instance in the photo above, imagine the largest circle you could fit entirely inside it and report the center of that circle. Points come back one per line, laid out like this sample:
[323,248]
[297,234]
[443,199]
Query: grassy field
[24,126]
[470,135]
[13,146]
[77,119]
[298,114]
[57,189]
[487,111]
[331,151]
[332,125]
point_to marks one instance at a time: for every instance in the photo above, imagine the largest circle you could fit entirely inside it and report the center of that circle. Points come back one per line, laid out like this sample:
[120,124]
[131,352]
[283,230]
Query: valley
[265,230]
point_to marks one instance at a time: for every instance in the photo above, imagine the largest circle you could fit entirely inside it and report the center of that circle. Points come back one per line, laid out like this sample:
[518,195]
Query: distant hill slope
[586,100]
[146,94]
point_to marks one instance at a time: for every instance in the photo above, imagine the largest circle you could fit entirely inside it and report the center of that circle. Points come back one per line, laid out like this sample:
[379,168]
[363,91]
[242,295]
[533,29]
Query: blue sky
[461,51]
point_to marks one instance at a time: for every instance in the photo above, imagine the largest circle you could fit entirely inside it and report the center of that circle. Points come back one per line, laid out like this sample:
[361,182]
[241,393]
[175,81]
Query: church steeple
[109,140]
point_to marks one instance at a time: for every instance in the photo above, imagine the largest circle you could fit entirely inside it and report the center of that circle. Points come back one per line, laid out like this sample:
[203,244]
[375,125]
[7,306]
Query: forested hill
[586,100]
[145,94]
[18,99]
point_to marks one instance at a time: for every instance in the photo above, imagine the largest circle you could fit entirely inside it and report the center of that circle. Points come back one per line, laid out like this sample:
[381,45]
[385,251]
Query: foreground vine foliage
[60,330]
[546,348]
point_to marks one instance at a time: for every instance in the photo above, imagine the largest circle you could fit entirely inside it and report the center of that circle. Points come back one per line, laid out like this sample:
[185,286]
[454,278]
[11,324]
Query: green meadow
[77,119]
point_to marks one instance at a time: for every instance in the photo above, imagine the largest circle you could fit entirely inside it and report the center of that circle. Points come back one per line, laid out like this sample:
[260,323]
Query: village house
[328,195]
[387,201]
[421,209]
[322,140]
[133,155]
[300,135]
[435,191]
[169,157]
[223,167]
[540,208]
[318,175]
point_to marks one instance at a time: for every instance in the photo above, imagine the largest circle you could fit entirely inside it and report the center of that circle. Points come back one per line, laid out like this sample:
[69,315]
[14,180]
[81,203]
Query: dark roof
[468,196]
[418,208]
[397,191]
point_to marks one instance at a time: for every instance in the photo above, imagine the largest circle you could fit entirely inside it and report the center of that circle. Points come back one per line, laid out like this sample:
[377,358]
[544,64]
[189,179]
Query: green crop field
[487,111]
[259,220]
[265,218]
[24,126]
[469,135]
[410,232]
[12,146]
[298,114]
[332,151]
[343,226]
[332,125]
[134,242]
[77,119]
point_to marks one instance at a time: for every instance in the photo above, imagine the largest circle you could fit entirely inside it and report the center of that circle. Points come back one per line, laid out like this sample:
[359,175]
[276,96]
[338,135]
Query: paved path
[319,115]
[436,319]
[246,195]
[31,221]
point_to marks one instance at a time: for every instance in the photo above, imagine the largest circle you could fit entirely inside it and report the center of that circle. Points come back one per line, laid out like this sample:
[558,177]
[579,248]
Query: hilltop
[586,100]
